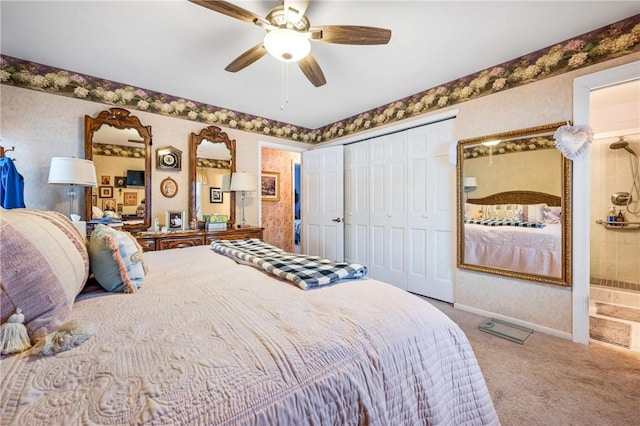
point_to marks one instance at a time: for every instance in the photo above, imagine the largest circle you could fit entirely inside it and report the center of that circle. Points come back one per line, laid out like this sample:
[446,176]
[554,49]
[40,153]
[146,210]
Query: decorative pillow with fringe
[44,265]
[116,260]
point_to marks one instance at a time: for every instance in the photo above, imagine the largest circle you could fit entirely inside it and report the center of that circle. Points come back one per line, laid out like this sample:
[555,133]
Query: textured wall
[277,216]
[534,104]
[41,126]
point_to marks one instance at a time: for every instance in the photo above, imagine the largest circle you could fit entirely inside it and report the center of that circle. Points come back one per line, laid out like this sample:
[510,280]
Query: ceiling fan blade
[311,69]
[350,34]
[229,9]
[294,10]
[247,58]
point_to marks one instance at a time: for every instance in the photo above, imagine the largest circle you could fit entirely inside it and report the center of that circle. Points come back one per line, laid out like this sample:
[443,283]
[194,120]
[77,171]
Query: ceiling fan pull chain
[285,78]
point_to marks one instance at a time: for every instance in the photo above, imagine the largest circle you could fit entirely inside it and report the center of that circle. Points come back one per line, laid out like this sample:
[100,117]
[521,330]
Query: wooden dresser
[152,241]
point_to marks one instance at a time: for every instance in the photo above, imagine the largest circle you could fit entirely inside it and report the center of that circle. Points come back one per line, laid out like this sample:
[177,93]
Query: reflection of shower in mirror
[634,193]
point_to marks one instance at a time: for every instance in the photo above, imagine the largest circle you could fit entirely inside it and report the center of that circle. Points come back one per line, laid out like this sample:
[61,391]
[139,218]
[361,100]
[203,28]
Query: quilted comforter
[208,341]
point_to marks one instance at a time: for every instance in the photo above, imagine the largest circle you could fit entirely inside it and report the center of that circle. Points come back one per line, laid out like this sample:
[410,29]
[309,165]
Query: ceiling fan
[289,33]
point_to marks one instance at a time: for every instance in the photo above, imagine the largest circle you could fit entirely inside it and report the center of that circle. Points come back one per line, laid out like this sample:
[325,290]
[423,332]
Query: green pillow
[116,260]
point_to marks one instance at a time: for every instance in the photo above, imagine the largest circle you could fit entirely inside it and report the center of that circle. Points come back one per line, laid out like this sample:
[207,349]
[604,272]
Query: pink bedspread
[208,341]
[528,250]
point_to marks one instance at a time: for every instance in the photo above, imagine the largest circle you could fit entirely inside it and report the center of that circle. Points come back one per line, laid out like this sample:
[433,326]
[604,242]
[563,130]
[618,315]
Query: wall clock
[169,187]
[120,181]
[168,157]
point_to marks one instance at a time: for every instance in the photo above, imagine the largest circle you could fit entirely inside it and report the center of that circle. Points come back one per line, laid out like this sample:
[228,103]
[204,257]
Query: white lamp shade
[287,45]
[470,182]
[242,181]
[72,171]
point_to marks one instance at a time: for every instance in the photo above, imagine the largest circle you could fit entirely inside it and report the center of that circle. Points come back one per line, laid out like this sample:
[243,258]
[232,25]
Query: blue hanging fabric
[11,185]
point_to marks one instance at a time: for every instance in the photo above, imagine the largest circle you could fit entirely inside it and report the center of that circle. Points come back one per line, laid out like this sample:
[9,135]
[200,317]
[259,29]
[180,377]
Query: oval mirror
[212,161]
[120,147]
[514,216]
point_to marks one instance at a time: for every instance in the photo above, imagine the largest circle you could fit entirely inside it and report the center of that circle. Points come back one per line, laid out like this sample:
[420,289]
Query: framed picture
[105,180]
[109,204]
[215,195]
[94,200]
[119,208]
[168,157]
[270,186]
[130,198]
[175,220]
[120,181]
[106,191]
[169,187]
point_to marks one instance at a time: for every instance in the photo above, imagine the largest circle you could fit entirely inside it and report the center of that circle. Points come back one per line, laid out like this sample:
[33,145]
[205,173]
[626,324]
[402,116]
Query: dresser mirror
[120,147]
[212,160]
[514,198]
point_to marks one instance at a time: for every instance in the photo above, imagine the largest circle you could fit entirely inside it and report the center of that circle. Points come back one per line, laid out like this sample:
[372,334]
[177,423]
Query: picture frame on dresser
[175,220]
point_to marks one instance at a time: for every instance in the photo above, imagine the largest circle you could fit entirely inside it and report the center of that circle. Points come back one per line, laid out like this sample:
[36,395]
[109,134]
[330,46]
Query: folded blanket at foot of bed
[304,271]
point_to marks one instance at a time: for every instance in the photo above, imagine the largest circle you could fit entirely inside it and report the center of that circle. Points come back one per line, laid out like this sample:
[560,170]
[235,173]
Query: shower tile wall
[615,254]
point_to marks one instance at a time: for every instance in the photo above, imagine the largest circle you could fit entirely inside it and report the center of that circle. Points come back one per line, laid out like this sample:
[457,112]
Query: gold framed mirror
[120,147]
[212,160]
[514,198]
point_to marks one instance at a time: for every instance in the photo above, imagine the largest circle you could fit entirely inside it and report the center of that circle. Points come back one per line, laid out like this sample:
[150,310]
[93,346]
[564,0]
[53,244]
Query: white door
[356,203]
[323,203]
[387,192]
[431,207]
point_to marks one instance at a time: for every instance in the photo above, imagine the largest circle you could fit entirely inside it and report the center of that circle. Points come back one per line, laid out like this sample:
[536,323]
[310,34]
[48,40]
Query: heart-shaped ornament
[572,140]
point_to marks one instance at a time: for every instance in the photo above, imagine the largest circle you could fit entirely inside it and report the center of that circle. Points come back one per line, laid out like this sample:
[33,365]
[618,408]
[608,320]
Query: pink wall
[277,216]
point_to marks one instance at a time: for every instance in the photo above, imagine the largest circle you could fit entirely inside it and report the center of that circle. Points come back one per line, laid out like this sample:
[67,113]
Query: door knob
[337,219]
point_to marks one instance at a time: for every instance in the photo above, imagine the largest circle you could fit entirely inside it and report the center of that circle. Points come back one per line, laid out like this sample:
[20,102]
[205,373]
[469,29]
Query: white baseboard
[536,327]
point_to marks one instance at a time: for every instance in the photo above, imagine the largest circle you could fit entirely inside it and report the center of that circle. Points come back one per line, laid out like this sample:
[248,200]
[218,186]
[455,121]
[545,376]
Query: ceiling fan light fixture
[287,45]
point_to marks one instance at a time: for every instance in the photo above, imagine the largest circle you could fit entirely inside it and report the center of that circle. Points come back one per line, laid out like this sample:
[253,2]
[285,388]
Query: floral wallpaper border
[213,163]
[535,143]
[615,40]
[113,150]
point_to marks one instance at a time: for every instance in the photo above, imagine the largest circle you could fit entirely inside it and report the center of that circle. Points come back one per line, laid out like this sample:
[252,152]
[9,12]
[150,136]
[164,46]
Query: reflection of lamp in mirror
[73,172]
[242,182]
[469,184]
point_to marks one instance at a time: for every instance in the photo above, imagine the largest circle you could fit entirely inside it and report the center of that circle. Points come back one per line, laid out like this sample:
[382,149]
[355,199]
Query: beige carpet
[551,381]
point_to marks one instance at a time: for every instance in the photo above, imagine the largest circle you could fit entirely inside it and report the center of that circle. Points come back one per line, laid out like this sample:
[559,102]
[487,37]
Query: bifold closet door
[387,215]
[356,203]
[430,211]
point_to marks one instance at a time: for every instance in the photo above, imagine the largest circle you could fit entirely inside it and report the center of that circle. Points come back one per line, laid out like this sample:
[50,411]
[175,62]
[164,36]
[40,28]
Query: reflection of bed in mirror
[503,237]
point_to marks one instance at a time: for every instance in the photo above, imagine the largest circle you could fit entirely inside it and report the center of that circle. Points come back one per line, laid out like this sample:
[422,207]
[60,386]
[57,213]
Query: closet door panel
[357,203]
[387,214]
[431,211]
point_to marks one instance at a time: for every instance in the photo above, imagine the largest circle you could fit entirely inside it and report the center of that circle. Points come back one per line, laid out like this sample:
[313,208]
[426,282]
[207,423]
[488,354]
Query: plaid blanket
[497,222]
[304,271]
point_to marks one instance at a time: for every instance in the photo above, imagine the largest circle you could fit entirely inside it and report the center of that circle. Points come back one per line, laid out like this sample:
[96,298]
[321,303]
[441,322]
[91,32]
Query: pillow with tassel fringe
[116,260]
[45,265]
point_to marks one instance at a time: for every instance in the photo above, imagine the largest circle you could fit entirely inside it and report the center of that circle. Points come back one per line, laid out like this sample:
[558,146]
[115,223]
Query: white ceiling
[181,49]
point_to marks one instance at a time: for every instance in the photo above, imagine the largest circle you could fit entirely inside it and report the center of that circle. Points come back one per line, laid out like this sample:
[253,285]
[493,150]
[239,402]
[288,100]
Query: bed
[515,230]
[203,339]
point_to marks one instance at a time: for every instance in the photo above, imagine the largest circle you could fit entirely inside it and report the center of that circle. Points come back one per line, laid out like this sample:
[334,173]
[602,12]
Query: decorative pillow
[116,260]
[473,211]
[44,266]
[552,214]
[533,212]
[523,212]
[96,213]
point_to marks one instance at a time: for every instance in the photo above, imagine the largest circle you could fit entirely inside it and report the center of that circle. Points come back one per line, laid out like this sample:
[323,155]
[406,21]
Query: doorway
[297,236]
[581,192]
[614,290]
[277,211]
